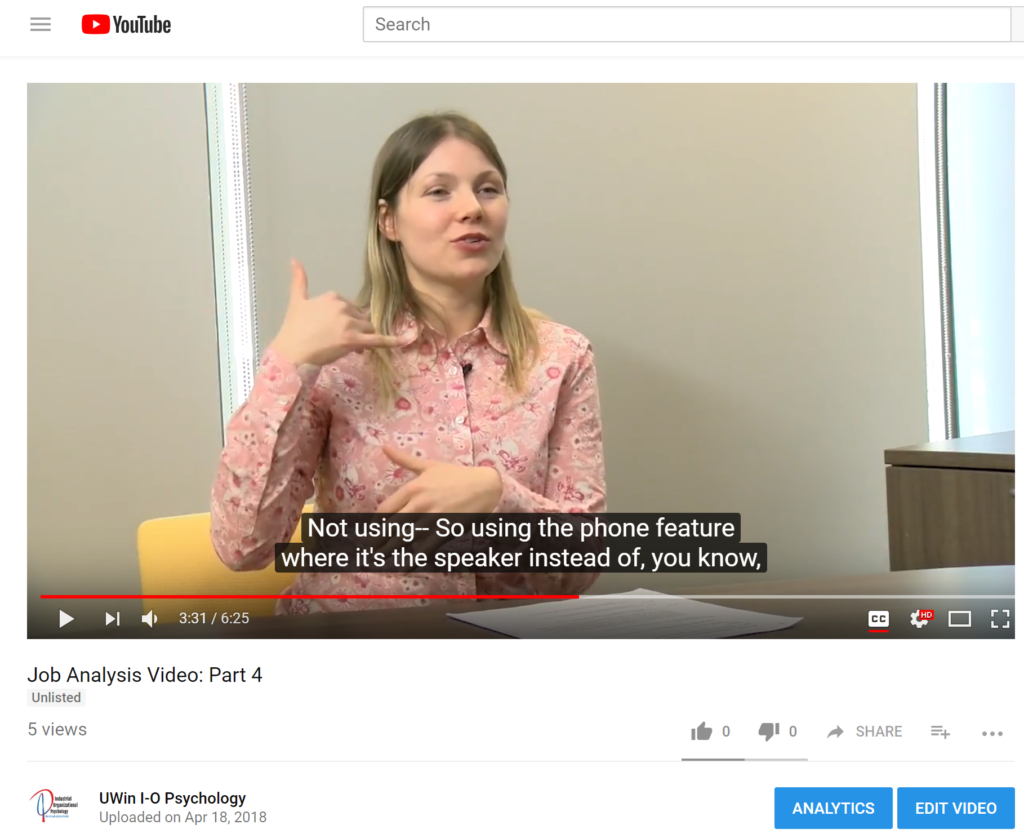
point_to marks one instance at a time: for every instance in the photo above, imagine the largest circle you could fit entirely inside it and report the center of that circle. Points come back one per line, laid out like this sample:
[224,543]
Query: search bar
[681,24]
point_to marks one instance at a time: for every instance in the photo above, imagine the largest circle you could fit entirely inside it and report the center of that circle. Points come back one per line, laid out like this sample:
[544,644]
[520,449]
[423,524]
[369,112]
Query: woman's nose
[470,208]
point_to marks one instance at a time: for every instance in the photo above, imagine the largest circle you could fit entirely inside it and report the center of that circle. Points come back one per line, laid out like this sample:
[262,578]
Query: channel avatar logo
[96,24]
[43,802]
[49,805]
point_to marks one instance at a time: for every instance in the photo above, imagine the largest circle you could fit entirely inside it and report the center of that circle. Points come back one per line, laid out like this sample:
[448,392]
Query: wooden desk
[951,503]
[835,618]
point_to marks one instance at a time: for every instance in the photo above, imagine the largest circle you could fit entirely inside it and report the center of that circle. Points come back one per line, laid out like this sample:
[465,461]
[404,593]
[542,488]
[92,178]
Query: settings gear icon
[915,622]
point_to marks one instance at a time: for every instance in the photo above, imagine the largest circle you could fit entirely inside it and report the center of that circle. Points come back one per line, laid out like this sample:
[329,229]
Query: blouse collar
[486,328]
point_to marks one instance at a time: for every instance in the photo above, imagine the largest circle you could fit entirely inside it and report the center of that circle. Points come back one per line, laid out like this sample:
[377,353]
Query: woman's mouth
[471,243]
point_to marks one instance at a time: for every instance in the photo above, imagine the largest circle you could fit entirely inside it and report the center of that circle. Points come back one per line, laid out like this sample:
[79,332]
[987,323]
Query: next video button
[833,808]
[955,808]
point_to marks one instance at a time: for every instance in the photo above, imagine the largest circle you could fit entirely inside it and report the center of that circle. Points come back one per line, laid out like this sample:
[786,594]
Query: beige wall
[745,259]
[123,395]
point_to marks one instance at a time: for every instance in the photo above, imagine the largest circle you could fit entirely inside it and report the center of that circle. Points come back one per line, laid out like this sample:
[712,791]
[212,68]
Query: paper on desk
[635,614]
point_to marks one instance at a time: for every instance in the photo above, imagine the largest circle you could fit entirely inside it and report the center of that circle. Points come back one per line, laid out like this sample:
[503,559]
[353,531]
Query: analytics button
[955,808]
[833,808]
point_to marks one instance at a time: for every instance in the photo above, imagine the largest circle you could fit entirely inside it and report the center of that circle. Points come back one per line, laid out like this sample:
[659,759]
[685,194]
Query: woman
[435,392]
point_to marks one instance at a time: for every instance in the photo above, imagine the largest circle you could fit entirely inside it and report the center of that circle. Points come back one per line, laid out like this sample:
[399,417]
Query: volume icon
[149,619]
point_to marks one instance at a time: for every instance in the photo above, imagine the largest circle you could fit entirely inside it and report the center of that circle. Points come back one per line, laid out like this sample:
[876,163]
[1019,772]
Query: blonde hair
[386,289]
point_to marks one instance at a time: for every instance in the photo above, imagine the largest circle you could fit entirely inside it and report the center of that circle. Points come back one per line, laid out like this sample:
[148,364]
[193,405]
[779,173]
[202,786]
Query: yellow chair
[176,556]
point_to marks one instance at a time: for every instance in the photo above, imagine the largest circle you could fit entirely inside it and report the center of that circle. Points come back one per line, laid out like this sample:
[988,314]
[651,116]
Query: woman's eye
[439,192]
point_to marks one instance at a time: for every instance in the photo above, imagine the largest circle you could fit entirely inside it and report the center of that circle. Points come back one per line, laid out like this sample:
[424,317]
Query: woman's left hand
[442,487]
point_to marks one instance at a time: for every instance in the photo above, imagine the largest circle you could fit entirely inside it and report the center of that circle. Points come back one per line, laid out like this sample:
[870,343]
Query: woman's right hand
[326,328]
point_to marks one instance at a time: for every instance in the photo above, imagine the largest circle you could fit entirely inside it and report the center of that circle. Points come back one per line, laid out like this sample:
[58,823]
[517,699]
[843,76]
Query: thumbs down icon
[768,730]
[703,732]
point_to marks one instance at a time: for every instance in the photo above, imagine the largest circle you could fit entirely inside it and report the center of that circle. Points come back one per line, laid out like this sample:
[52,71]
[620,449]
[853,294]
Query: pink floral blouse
[306,427]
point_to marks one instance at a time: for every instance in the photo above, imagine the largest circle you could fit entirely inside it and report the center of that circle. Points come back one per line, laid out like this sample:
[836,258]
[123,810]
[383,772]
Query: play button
[65,619]
[96,24]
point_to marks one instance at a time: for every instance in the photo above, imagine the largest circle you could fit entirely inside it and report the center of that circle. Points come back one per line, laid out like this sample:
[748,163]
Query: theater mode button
[955,808]
[833,808]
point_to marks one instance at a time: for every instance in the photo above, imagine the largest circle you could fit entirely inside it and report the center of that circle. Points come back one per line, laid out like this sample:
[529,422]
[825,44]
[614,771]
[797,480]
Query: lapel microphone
[466,369]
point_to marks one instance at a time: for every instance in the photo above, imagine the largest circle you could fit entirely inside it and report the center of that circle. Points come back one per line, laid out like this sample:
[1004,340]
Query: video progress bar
[744,759]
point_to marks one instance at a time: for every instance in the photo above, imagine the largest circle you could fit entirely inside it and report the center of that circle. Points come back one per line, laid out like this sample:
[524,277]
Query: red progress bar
[309,596]
[878,631]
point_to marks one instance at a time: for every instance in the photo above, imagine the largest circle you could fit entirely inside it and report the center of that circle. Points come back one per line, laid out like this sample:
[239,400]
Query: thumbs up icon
[703,732]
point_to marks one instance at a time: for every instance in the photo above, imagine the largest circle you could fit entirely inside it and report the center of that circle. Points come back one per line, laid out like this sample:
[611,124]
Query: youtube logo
[138,25]
[96,24]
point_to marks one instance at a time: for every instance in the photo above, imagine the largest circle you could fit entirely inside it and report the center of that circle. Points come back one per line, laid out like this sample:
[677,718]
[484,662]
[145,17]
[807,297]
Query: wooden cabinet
[951,503]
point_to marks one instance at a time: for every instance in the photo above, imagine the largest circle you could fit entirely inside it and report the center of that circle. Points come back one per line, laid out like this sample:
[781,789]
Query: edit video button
[955,808]
[833,808]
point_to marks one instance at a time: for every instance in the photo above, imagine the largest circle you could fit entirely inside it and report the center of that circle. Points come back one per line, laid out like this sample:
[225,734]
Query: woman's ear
[386,221]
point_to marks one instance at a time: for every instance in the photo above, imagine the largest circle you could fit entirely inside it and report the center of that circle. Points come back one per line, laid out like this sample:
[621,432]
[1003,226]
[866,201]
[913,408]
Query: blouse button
[460,420]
